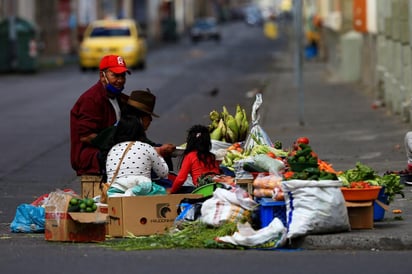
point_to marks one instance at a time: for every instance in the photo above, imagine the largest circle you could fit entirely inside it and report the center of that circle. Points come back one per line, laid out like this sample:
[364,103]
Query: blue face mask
[112,89]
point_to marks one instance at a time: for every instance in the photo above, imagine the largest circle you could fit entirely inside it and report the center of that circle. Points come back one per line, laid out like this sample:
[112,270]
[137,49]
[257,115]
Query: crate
[246,184]
[270,209]
[90,185]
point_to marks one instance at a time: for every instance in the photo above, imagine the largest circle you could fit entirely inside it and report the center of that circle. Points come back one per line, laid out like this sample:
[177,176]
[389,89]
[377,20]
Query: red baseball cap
[115,63]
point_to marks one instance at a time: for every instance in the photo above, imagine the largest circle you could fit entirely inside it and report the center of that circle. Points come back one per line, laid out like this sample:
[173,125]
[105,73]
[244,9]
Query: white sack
[314,207]
[226,206]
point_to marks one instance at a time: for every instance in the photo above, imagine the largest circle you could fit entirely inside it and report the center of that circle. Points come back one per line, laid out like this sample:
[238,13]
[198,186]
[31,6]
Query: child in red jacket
[197,159]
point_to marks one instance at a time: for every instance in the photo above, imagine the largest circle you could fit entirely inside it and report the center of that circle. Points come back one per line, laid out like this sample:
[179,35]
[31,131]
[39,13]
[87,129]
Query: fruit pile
[82,205]
[228,128]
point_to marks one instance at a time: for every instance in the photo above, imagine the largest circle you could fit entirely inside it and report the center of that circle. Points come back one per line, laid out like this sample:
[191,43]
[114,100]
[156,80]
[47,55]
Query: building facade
[60,23]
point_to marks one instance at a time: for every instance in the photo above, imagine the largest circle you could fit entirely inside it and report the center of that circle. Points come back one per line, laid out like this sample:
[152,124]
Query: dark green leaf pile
[188,235]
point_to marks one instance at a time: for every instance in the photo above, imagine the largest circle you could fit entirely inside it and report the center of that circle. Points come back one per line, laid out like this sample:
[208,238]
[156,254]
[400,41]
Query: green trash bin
[19,46]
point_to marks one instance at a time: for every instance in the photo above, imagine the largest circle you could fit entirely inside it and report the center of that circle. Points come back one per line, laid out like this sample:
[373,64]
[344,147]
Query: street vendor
[96,109]
[141,105]
[197,160]
[131,160]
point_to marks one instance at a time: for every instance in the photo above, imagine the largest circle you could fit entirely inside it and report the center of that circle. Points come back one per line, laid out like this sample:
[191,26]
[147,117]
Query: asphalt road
[35,158]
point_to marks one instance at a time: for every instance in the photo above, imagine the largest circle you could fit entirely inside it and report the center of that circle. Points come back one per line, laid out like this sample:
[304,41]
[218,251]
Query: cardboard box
[360,214]
[143,215]
[64,226]
[75,227]
[90,186]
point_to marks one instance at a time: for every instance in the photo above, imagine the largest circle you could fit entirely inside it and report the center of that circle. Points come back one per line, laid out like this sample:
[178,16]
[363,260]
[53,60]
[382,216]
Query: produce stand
[259,186]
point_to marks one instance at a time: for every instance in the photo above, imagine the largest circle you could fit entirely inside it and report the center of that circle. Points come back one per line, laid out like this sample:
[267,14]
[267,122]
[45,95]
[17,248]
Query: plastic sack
[28,219]
[227,206]
[256,132]
[237,196]
[271,236]
[268,163]
[314,207]
[240,173]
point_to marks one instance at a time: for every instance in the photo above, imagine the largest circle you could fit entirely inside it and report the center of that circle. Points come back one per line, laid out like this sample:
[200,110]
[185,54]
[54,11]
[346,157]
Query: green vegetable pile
[189,235]
[303,156]
[361,172]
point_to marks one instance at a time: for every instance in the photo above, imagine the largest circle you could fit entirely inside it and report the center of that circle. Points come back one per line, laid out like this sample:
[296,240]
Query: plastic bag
[314,207]
[218,145]
[190,209]
[28,219]
[269,186]
[257,134]
[135,186]
[227,206]
[59,200]
[147,189]
[271,236]
[240,173]
[268,163]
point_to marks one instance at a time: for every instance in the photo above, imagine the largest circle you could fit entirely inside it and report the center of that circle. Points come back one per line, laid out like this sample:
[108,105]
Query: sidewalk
[343,129]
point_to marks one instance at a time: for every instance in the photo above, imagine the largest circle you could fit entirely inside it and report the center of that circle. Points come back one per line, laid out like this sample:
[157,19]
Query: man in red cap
[96,109]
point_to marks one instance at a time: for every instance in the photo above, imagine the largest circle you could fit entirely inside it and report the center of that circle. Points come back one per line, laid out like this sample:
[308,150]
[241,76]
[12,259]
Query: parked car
[120,37]
[205,29]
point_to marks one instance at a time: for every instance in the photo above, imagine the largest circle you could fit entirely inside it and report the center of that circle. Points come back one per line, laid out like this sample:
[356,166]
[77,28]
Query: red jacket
[91,113]
[191,165]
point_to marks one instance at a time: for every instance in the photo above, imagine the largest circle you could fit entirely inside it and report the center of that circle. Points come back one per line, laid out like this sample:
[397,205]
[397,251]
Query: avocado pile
[82,205]
[303,162]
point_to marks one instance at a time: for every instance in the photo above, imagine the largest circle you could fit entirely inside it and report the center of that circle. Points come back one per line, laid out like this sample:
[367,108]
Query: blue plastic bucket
[378,211]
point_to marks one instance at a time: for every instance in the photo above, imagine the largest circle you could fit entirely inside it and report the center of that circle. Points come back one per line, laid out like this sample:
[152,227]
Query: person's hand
[165,150]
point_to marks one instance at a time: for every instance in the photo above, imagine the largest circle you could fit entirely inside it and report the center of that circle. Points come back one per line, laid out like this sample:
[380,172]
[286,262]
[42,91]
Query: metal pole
[297,7]
[12,35]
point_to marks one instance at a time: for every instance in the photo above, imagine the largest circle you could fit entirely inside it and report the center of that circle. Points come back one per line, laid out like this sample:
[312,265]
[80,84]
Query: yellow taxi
[119,37]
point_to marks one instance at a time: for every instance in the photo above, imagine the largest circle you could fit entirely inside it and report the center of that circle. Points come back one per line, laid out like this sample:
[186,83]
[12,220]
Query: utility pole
[297,17]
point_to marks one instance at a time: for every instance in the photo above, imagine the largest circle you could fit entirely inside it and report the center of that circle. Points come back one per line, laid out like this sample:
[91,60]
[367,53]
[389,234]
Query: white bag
[129,182]
[226,206]
[271,236]
[256,130]
[314,207]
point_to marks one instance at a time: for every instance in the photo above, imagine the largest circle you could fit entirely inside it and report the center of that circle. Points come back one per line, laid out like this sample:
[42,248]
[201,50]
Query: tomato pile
[360,185]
